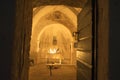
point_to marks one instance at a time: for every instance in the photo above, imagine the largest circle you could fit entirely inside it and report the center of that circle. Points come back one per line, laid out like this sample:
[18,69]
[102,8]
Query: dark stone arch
[73,3]
[22,9]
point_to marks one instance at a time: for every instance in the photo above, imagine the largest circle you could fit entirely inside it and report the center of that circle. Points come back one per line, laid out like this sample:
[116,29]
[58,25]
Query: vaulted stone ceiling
[73,3]
[53,20]
[62,35]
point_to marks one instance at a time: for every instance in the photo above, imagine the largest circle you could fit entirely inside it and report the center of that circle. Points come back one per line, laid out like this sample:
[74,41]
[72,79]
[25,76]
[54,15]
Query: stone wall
[84,52]
[75,3]
[103,39]
[12,23]
[64,21]
[22,33]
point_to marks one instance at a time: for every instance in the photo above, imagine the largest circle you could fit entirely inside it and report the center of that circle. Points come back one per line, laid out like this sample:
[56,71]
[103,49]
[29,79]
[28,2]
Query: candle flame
[52,51]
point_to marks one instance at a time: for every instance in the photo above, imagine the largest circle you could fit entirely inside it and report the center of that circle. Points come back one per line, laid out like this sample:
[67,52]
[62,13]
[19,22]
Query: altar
[54,56]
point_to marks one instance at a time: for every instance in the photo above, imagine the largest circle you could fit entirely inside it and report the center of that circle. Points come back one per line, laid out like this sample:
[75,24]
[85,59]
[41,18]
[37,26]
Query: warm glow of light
[52,51]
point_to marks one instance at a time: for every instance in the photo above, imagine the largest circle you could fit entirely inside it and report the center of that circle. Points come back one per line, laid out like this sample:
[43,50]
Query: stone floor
[42,72]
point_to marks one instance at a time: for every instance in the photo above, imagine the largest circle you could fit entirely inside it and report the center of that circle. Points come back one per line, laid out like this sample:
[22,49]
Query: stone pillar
[103,36]
[22,34]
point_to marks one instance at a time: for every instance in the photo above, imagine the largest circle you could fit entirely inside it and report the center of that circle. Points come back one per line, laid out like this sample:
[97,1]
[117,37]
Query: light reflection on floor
[41,72]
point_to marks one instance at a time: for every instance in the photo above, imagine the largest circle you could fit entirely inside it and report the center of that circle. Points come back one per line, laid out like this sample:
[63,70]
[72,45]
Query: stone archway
[63,36]
[20,52]
[47,15]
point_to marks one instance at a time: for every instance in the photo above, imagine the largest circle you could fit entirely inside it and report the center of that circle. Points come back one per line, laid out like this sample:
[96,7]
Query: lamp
[76,35]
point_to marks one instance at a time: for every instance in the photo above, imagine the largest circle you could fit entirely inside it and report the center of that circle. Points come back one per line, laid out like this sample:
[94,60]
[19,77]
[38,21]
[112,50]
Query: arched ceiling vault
[75,10]
[73,3]
[56,29]
[61,32]
[70,13]
[48,15]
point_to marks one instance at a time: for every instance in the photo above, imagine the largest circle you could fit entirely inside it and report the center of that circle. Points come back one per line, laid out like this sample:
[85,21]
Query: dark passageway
[64,30]
[55,31]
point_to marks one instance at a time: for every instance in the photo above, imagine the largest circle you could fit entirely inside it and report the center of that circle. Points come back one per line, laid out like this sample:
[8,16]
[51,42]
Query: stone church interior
[54,40]
[61,42]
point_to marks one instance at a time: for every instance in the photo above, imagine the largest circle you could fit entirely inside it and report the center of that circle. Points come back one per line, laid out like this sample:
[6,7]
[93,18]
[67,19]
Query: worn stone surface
[21,28]
[84,53]
[49,21]
[21,45]
[42,72]
[103,39]
[76,3]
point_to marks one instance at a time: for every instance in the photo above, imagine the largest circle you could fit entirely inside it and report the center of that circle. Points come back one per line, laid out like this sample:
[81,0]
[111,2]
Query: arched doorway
[22,68]
[75,42]
[52,39]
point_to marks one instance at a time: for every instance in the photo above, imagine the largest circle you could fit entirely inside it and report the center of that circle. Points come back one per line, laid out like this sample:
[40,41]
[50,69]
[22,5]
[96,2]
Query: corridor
[61,34]
[72,28]
[42,72]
